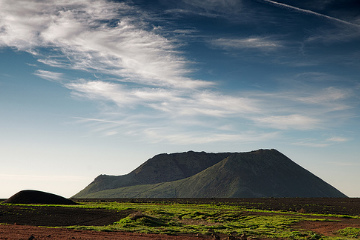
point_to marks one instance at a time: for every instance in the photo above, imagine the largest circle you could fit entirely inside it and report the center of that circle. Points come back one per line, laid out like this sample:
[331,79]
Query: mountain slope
[161,168]
[262,173]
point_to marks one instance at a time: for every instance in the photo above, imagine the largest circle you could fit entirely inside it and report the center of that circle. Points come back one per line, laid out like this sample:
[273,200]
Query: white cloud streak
[320,143]
[337,139]
[228,9]
[330,97]
[293,121]
[259,43]
[190,138]
[311,13]
[170,101]
[48,75]
[311,144]
[315,101]
[215,5]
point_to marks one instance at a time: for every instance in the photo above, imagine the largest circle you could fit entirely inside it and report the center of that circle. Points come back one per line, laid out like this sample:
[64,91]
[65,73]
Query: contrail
[310,12]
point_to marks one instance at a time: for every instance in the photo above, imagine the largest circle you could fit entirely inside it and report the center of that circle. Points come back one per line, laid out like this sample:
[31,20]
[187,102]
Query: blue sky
[98,87]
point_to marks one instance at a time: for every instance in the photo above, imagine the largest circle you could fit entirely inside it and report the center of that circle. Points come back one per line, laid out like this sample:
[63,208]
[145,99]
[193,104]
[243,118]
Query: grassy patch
[350,232]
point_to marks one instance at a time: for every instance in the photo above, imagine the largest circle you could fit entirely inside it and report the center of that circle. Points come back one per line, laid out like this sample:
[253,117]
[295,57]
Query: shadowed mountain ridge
[161,168]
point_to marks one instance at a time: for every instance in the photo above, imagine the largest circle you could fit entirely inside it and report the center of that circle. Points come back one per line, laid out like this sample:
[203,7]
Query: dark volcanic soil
[58,216]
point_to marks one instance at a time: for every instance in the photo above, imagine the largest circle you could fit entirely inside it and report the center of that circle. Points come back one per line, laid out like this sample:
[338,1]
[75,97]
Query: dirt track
[17,232]
[328,228]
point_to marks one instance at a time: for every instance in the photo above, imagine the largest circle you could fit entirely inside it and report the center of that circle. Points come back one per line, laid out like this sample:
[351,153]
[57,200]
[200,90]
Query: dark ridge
[38,197]
[161,168]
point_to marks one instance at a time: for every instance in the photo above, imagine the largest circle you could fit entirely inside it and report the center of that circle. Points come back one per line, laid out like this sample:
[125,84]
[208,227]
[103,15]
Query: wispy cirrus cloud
[215,5]
[316,101]
[48,75]
[96,36]
[174,102]
[337,139]
[145,88]
[228,9]
[184,110]
[330,36]
[202,114]
[174,132]
[331,98]
[259,43]
[312,143]
[191,138]
[293,121]
[320,143]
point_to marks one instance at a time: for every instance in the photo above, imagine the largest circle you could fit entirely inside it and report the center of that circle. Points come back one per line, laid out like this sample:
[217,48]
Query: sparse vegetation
[261,220]
[207,219]
[350,232]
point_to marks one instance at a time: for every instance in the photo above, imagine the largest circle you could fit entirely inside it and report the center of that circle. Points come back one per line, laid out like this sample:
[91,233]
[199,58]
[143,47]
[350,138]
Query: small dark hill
[38,197]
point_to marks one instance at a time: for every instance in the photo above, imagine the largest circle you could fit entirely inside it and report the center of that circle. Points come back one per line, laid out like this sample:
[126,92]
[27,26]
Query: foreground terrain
[317,218]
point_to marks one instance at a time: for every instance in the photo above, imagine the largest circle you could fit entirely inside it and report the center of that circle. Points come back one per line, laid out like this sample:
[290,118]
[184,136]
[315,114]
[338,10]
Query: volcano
[256,174]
